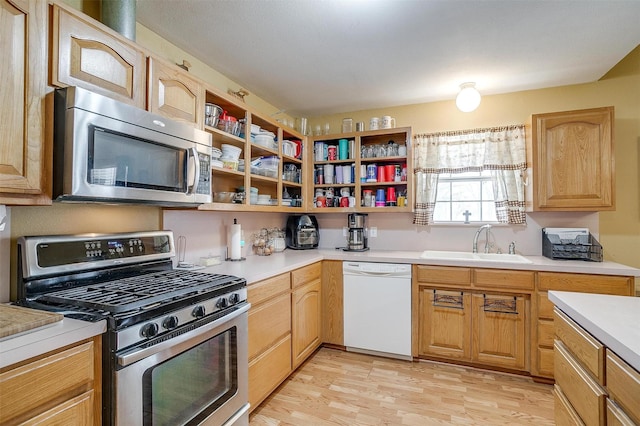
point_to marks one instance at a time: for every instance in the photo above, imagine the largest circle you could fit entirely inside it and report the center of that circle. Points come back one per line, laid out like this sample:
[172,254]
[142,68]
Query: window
[450,186]
[469,193]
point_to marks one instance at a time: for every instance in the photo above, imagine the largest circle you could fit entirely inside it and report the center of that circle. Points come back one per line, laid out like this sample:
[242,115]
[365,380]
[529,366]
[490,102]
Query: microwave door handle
[193,186]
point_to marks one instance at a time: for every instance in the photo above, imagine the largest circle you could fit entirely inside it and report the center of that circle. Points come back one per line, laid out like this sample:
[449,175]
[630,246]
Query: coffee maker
[356,232]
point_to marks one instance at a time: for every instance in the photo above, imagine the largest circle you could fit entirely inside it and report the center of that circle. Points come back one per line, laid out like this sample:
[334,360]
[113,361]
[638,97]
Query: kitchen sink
[481,257]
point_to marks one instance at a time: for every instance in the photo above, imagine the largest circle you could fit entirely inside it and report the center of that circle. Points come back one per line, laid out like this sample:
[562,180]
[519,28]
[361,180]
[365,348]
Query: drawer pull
[448,301]
[502,306]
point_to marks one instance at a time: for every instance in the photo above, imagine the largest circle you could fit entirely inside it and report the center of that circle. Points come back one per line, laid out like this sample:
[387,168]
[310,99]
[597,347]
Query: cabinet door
[307,320]
[90,55]
[23,38]
[499,330]
[573,160]
[174,94]
[444,323]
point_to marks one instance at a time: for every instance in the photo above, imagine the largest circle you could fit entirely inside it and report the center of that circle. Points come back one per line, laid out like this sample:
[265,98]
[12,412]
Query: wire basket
[582,247]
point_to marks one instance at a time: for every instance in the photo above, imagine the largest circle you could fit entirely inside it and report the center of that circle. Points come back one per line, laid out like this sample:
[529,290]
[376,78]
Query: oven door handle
[135,355]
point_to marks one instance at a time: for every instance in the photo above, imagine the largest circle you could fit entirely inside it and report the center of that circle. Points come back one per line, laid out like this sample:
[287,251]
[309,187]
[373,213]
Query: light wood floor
[345,388]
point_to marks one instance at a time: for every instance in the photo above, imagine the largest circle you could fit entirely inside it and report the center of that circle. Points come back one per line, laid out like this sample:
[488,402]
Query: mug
[388,122]
[374,123]
[345,192]
[344,202]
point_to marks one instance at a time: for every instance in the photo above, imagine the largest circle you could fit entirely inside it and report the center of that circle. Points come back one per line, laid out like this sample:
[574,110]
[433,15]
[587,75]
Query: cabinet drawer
[268,322]
[545,306]
[563,411]
[583,347]
[306,274]
[504,279]
[582,391]
[586,283]
[47,381]
[617,417]
[268,370]
[76,411]
[546,334]
[263,290]
[623,384]
[444,275]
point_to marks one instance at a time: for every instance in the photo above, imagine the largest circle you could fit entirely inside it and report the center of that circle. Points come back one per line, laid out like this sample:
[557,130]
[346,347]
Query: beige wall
[619,230]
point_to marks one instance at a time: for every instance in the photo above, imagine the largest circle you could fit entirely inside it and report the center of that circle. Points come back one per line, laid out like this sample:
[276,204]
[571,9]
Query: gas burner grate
[139,291]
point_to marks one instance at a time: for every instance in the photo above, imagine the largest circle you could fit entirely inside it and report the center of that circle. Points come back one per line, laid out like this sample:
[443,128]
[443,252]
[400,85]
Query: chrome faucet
[512,247]
[487,228]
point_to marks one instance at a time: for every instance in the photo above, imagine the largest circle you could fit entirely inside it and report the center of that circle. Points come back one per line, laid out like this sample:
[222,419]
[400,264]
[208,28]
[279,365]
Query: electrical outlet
[373,232]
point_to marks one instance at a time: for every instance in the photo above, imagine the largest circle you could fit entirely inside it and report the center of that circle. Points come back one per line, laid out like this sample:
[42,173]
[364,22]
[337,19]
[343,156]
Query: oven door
[197,377]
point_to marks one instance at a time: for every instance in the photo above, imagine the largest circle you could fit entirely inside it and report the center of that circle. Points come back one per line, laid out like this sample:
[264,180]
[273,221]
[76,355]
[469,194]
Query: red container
[382,173]
[333,152]
[390,172]
[391,194]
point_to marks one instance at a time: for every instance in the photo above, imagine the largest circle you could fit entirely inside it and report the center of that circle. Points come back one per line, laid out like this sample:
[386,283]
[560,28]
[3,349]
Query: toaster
[302,232]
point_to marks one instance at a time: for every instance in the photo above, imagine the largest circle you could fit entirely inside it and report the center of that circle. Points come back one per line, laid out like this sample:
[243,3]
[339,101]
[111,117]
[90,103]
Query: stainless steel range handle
[164,343]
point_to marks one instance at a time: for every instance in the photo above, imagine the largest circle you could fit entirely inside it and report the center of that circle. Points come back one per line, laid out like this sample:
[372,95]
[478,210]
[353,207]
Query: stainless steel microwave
[108,151]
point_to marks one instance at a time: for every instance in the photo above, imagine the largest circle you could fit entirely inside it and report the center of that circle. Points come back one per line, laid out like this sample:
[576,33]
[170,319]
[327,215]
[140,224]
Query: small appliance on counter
[302,232]
[356,232]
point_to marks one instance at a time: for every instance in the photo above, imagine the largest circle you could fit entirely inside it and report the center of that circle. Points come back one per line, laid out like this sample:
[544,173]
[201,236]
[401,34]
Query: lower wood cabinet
[542,357]
[470,324]
[499,330]
[269,336]
[61,387]
[285,327]
[307,320]
[593,385]
[486,328]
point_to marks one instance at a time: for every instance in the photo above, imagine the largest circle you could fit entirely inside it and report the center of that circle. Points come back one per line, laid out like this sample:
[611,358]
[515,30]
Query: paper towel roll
[236,238]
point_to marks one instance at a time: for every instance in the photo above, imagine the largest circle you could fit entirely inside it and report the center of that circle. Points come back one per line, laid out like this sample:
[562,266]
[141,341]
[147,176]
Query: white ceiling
[316,57]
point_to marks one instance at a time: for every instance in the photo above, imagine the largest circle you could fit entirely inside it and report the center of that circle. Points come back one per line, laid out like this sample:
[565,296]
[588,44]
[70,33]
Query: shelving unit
[356,141]
[228,180]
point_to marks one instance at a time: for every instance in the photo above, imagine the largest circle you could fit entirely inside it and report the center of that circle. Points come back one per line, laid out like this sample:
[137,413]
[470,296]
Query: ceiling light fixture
[469,98]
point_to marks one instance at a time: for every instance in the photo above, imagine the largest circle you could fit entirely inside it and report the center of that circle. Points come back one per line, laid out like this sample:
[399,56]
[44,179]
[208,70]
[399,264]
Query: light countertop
[613,320]
[257,268]
[48,338]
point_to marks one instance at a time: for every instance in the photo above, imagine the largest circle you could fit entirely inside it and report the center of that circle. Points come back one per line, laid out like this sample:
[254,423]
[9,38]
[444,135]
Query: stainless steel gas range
[175,350]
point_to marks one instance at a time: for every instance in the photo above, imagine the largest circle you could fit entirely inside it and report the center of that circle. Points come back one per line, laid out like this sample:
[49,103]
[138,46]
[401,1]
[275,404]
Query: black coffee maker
[356,232]
[302,232]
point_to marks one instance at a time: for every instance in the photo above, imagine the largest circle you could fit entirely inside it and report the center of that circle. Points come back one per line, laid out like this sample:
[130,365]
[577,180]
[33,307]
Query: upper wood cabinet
[23,151]
[572,161]
[87,54]
[174,94]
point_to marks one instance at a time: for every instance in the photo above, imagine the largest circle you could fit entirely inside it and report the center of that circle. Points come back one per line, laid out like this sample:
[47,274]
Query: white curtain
[501,150]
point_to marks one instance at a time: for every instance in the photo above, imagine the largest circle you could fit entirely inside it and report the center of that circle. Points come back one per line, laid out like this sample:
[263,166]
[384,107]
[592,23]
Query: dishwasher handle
[381,270]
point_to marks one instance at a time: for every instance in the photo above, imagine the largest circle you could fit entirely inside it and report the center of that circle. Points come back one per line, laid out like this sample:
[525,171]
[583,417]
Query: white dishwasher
[377,308]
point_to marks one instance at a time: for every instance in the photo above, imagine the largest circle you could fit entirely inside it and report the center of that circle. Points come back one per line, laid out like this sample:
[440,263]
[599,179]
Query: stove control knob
[198,311]
[222,303]
[170,322]
[149,330]
[234,298]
